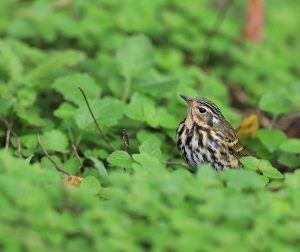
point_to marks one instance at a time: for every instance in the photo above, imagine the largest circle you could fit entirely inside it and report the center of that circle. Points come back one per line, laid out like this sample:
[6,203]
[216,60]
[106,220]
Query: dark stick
[216,27]
[96,123]
[7,139]
[49,157]
[9,127]
[125,143]
[77,155]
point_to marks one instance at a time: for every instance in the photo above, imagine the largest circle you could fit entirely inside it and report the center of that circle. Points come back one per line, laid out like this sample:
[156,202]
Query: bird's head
[203,111]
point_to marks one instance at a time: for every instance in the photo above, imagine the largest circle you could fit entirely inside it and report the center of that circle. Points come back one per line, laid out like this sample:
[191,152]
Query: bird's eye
[202,110]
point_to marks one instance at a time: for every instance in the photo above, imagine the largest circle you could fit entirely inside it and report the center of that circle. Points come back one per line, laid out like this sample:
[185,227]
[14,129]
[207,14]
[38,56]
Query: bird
[204,136]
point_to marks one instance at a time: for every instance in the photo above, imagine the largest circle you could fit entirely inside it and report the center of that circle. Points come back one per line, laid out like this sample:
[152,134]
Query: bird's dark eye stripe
[213,108]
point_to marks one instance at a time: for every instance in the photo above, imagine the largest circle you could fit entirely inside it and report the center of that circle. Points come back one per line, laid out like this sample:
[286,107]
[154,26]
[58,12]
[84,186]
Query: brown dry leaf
[248,127]
[254,20]
[71,180]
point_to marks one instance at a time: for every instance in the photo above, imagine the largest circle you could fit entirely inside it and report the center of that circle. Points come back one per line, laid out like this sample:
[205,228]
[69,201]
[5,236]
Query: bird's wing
[233,142]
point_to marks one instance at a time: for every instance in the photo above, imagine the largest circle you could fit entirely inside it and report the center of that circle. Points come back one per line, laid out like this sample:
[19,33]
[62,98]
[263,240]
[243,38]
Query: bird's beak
[187,99]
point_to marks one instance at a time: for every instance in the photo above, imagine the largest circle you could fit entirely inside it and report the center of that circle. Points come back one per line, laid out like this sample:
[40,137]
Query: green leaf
[142,108]
[291,145]
[55,140]
[166,119]
[271,138]
[157,87]
[151,147]
[29,158]
[269,171]
[120,159]
[274,103]
[26,97]
[68,87]
[289,160]
[250,163]
[11,61]
[108,112]
[65,111]
[99,166]
[135,56]
[90,184]
[261,166]
[34,119]
[53,63]
[72,166]
[242,179]
[29,141]
[146,163]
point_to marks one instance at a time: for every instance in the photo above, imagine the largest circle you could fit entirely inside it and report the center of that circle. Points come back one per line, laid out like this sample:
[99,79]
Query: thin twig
[176,163]
[9,127]
[77,155]
[48,156]
[96,123]
[216,27]
[125,142]
[8,131]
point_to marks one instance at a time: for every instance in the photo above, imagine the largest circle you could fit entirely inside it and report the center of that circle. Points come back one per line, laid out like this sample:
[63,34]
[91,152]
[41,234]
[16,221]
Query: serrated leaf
[135,56]
[53,63]
[68,87]
[291,145]
[146,163]
[107,112]
[11,62]
[120,159]
[54,140]
[100,167]
[271,138]
[151,147]
[142,108]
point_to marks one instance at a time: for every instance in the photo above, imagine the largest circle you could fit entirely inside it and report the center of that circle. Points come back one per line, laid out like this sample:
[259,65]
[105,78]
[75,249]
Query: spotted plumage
[205,136]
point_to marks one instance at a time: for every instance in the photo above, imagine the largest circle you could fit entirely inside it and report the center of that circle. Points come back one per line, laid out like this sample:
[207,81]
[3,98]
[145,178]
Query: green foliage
[133,59]
[187,211]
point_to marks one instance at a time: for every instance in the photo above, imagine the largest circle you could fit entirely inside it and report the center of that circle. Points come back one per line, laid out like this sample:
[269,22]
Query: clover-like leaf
[90,184]
[142,108]
[68,87]
[291,145]
[135,56]
[152,147]
[242,179]
[55,140]
[107,111]
[271,138]
[120,159]
[274,103]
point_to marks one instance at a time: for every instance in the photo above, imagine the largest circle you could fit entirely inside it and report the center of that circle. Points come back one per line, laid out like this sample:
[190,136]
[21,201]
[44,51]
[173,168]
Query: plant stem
[101,132]
[273,121]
